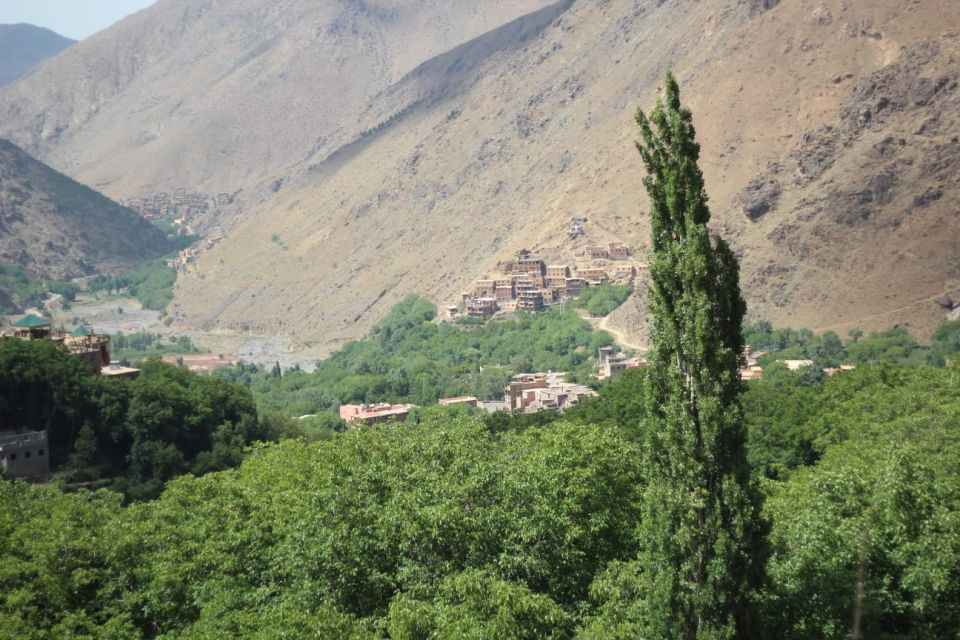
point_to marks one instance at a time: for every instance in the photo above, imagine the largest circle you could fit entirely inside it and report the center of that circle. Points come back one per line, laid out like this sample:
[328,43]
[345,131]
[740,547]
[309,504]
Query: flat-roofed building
[618,251]
[24,455]
[484,288]
[530,301]
[360,414]
[535,391]
[481,308]
[530,264]
[574,286]
[504,293]
[520,383]
[114,370]
[598,252]
[91,349]
[592,275]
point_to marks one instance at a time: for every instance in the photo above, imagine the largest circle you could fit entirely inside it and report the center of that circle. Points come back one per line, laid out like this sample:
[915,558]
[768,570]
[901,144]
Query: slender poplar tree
[704,538]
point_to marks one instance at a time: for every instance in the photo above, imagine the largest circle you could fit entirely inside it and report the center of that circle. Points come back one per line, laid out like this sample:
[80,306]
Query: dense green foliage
[600,301]
[448,530]
[17,292]
[151,284]
[894,345]
[142,432]
[138,346]
[440,531]
[410,358]
[701,560]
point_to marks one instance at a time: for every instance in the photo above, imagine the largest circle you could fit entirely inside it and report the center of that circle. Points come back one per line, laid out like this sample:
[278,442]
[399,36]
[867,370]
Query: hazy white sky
[75,19]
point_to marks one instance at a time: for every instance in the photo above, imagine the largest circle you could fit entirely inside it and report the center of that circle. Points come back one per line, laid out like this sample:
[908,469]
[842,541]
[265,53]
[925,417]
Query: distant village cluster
[187,208]
[530,284]
[181,204]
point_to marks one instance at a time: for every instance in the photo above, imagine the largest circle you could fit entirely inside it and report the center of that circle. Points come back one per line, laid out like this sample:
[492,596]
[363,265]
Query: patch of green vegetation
[602,300]
[410,358]
[18,292]
[132,347]
[277,240]
[151,284]
[894,345]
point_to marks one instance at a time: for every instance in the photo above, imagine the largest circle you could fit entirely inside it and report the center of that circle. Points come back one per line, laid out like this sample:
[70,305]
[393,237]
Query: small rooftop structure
[114,370]
[751,373]
[796,365]
[357,414]
[31,327]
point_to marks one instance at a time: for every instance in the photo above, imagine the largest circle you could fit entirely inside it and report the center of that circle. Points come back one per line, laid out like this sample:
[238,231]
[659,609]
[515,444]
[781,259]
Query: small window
[40,452]
[13,456]
[26,454]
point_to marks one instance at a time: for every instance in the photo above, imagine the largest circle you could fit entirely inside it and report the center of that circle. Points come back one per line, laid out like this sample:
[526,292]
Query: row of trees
[894,345]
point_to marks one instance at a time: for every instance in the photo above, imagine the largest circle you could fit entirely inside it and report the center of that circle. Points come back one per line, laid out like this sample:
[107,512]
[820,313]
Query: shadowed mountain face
[23,46]
[61,229]
[396,146]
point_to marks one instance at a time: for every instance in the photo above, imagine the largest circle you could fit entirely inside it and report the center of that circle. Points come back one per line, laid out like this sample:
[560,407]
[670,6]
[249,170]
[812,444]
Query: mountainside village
[529,284]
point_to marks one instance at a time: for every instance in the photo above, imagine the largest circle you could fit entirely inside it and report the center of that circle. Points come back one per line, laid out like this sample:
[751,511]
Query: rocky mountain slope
[57,228]
[218,96]
[23,46]
[826,143]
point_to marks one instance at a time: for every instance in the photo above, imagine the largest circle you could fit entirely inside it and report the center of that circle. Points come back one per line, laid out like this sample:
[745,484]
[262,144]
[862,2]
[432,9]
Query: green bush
[602,300]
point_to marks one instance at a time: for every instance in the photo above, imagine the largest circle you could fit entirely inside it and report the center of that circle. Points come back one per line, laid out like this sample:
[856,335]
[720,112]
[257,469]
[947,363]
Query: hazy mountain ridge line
[24,46]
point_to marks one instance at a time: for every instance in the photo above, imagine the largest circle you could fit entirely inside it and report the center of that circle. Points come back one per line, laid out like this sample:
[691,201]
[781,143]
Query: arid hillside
[221,96]
[827,148]
[395,147]
[23,46]
[56,228]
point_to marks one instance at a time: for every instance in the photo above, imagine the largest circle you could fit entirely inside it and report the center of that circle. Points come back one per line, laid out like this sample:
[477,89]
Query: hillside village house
[531,392]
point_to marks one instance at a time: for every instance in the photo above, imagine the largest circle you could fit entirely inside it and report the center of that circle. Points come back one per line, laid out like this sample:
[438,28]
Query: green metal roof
[30,321]
[81,331]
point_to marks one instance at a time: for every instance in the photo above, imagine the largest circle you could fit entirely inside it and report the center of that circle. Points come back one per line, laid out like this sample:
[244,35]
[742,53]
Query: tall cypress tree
[703,536]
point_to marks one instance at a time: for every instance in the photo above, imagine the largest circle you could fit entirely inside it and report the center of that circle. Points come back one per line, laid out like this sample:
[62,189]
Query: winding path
[603,324]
